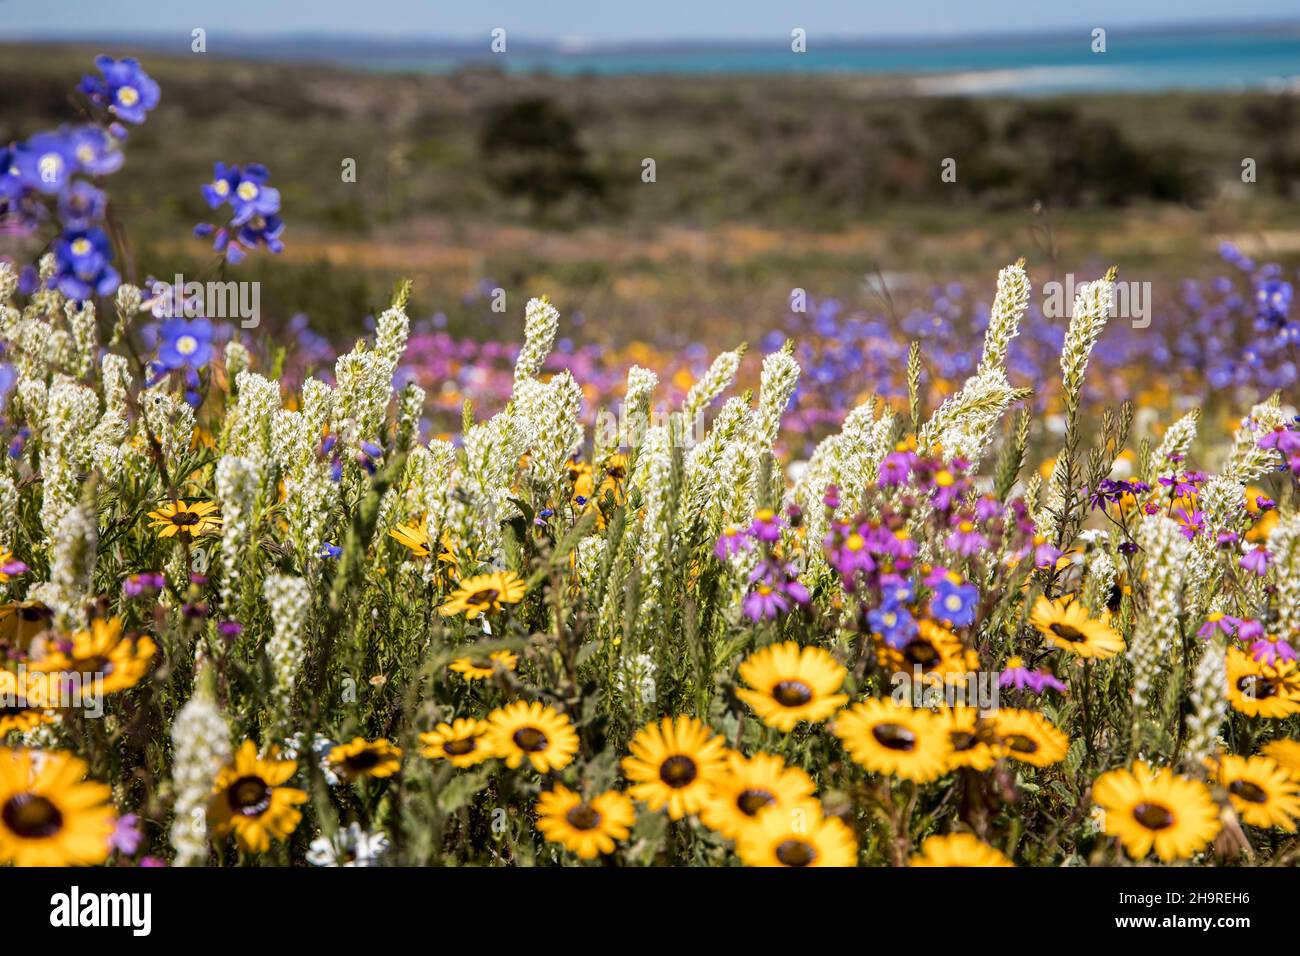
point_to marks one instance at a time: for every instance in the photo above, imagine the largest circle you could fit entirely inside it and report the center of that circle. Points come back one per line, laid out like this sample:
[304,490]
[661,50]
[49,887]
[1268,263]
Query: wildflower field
[964,588]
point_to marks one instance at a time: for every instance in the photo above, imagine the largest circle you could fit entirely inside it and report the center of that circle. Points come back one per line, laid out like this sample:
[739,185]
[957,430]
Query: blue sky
[615,20]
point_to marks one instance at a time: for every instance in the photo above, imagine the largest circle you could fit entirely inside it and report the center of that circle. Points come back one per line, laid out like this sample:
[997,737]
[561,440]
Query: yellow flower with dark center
[749,785]
[1028,737]
[527,730]
[586,827]
[797,836]
[792,683]
[674,764]
[21,703]
[50,815]
[188,520]
[937,651]
[1286,753]
[1066,624]
[476,668]
[101,654]
[973,741]
[483,593]
[250,800]
[365,758]
[885,737]
[1262,793]
[460,743]
[958,850]
[1146,809]
[1258,690]
[22,621]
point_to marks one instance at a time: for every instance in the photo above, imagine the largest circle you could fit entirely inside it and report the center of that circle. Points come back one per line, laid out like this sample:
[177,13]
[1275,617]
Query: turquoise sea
[1140,62]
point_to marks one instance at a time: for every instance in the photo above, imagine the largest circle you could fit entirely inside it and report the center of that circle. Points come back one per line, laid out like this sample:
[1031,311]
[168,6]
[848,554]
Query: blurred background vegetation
[763,184]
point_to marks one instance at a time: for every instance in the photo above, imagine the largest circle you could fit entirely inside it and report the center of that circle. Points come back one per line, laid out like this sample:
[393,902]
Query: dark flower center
[1021,744]
[486,596]
[185,518]
[458,748]
[1248,791]
[529,739]
[921,652]
[362,761]
[751,801]
[677,771]
[1153,816]
[1067,633]
[249,796]
[963,740]
[31,816]
[894,736]
[792,693]
[1257,687]
[583,817]
[796,853]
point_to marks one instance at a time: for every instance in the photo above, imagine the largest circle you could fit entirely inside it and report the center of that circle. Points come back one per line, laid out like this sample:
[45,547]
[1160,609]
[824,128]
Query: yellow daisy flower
[749,785]
[1287,755]
[460,742]
[1146,809]
[797,836]
[958,850]
[476,668]
[1262,793]
[887,738]
[1258,690]
[483,593]
[972,738]
[792,684]
[1066,624]
[1028,737]
[674,763]
[116,660]
[250,800]
[185,519]
[50,815]
[585,827]
[365,758]
[526,730]
[21,707]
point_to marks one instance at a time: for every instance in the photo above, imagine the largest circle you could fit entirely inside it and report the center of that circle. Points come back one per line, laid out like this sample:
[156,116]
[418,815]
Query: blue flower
[328,550]
[223,184]
[186,343]
[893,622]
[264,231]
[95,151]
[126,90]
[45,162]
[82,206]
[954,603]
[252,197]
[84,269]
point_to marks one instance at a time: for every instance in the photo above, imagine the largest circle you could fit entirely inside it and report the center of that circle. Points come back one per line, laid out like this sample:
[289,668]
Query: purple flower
[1046,554]
[766,526]
[764,602]
[126,836]
[83,259]
[1192,523]
[731,542]
[186,343]
[1256,560]
[1272,650]
[328,550]
[251,196]
[230,628]
[896,467]
[126,90]
[145,581]
[966,539]
[1018,676]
